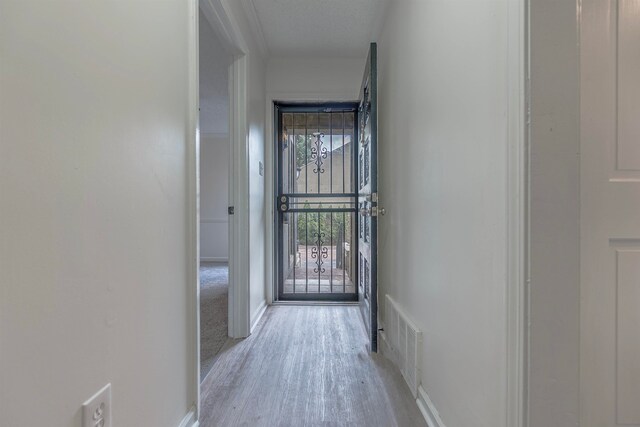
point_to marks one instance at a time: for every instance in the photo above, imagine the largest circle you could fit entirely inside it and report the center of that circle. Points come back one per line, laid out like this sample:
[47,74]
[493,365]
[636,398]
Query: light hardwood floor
[306,366]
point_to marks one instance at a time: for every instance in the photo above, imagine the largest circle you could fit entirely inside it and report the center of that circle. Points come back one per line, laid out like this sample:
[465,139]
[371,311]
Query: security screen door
[327,201]
[316,202]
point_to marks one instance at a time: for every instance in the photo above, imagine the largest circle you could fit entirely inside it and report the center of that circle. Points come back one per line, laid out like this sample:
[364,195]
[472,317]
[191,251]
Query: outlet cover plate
[96,412]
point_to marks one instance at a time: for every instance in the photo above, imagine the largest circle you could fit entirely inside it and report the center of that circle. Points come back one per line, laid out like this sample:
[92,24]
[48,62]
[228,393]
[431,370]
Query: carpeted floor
[214,291]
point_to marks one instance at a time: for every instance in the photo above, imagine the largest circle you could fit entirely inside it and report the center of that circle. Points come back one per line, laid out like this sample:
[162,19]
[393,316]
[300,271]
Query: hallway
[306,365]
[467,171]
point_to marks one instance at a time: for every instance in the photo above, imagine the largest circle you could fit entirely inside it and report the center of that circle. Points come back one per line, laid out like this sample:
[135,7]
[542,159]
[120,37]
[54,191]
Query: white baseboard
[214,259]
[429,412]
[189,420]
[255,318]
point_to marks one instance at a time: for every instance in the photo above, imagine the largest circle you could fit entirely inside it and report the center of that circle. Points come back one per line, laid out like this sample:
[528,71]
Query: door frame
[271,135]
[224,24]
[313,298]
[517,213]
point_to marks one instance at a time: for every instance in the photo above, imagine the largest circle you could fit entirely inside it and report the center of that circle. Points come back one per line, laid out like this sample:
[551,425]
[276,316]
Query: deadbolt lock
[283,203]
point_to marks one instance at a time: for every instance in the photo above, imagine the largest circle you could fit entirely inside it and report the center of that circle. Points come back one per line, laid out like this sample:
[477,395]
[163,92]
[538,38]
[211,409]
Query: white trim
[214,259]
[429,411]
[239,308]
[340,96]
[190,419]
[193,208]
[255,319]
[269,177]
[214,220]
[517,213]
[222,21]
[256,27]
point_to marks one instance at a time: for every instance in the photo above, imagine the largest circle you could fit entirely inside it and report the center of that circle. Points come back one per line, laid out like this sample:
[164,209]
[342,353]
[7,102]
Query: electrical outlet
[96,412]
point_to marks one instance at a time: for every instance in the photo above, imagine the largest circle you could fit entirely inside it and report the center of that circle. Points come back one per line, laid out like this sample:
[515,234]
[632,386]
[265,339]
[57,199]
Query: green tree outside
[312,223]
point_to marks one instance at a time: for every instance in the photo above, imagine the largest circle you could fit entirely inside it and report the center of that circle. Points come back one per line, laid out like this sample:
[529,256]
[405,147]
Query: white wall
[214,197]
[554,343]
[93,230]
[257,223]
[315,78]
[303,79]
[214,62]
[443,168]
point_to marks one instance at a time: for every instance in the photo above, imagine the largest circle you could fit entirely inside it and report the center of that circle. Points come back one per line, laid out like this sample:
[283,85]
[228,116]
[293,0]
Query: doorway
[214,194]
[316,202]
[326,200]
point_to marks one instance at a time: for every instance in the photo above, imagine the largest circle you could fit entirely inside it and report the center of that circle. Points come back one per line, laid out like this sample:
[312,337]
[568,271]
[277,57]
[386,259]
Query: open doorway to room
[214,62]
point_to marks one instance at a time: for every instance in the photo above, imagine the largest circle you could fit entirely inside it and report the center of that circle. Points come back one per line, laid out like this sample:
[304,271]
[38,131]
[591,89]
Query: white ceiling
[318,28]
[214,87]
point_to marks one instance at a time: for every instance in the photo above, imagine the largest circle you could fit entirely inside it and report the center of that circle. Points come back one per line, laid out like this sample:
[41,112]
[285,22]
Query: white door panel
[628,46]
[628,323]
[610,213]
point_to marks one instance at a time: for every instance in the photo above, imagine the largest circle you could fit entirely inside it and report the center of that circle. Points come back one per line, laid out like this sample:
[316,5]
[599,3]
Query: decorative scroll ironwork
[318,152]
[319,253]
[361,163]
[366,164]
[317,226]
[361,223]
[361,274]
[365,111]
[366,278]
[367,229]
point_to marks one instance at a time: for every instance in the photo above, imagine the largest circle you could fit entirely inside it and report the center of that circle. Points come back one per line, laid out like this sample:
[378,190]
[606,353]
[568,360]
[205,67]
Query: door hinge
[374,197]
[230,210]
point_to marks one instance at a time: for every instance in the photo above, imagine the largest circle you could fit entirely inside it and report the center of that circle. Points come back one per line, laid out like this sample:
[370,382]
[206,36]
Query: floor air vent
[404,343]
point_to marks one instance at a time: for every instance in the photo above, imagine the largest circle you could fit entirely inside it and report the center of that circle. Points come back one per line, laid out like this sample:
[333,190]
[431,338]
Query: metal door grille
[316,202]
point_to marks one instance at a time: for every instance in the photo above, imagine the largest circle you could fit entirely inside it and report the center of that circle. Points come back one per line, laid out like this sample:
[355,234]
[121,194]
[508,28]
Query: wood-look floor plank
[306,366]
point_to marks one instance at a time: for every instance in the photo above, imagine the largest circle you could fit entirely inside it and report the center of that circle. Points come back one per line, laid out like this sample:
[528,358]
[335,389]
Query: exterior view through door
[316,202]
[326,177]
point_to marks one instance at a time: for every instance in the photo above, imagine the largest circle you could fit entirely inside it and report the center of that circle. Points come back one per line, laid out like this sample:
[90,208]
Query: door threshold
[302,303]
